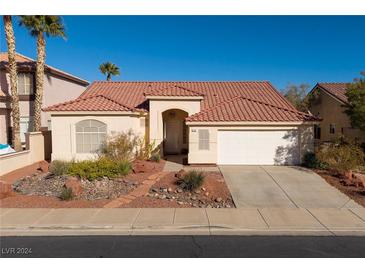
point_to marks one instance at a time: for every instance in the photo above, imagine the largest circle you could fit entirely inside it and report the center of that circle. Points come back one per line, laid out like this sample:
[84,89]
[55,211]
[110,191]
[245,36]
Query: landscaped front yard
[45,189]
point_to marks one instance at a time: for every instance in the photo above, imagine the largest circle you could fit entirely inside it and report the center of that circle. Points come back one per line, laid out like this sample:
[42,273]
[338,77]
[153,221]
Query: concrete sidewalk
[181,221]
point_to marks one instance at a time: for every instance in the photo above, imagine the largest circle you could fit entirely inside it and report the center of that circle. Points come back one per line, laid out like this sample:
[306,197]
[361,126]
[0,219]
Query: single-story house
[213,122]
[59,86]
[327,102]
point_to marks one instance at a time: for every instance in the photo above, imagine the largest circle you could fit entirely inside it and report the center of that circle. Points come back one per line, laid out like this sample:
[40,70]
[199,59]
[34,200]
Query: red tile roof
[241,109]
[93,103]
[173,90]
[29,63]
[228,101]
[337,90]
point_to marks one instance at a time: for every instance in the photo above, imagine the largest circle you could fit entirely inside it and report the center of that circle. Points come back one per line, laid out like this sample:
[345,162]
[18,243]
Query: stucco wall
[64,137]
[197,156]
[157,107]
[332,112]
[4,125]
[34,153]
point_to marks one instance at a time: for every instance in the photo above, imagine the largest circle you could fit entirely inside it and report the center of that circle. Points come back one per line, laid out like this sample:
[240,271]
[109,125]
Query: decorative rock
[218,200]
[75,185]
[180,202]
[203,188]
[197,191]
[6,190]
[169,190]
[359,179]
[179,190]
[162,197]
[142,167]
[164,189]
[44,166]
[180,174]
[154,189]
[193,198]
[206,194]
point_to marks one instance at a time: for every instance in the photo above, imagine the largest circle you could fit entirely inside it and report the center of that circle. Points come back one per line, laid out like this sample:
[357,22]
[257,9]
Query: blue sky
[281,49]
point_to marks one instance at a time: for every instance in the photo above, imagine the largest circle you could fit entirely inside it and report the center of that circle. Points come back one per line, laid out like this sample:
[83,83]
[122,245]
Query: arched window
[90,134]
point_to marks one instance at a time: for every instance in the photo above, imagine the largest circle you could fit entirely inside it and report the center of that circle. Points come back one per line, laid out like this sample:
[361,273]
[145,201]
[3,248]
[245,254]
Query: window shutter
[203,139]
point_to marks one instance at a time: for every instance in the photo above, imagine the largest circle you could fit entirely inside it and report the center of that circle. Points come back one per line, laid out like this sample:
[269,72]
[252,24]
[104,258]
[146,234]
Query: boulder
[44,166]
[75,185]
[359,179]
[142,167]
[6,190]
[180,174]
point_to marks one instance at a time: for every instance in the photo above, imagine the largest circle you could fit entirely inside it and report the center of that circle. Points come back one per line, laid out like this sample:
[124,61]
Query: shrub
[66,194]
[120,147]
[342,156]
[311,161]
[155,157]
[59,167]
[100,168]
[192,180]
[127,146]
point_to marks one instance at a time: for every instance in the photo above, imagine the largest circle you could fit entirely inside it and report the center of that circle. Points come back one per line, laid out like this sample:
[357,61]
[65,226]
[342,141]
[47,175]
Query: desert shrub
[103,167]
[66,194]
[192,180]
[342,156]
[311,161]
[127,146]
[155,157]
[59,167]
[121,147]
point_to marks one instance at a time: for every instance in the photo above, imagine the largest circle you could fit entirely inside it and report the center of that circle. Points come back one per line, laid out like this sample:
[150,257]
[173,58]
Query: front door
[173,133]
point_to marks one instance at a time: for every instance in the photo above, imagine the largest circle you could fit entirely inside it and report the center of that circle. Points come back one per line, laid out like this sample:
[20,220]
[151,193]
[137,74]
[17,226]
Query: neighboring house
[58,87]
[212,122]
[327,102]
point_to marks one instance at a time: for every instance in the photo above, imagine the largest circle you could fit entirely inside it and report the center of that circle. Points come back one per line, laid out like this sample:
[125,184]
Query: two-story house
[59,86]
[327,102]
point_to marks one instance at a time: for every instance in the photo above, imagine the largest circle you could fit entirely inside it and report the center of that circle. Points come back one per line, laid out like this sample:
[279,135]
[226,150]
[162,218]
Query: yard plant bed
[213,193]
[357,193]
[43,190]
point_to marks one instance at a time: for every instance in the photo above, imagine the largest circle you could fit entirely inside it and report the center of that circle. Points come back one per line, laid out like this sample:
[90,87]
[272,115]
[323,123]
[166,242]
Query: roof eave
[183,98]
[249,123]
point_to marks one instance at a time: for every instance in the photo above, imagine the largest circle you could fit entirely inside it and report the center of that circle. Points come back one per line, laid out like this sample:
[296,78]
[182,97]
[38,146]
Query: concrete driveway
[282,186]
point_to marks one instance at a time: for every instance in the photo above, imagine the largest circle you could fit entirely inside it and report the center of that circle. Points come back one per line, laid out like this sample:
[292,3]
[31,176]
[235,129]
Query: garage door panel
[258,147]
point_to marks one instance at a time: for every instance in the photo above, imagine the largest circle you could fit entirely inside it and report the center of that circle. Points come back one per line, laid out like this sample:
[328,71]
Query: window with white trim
[90,135]
[203,139]
[25,84]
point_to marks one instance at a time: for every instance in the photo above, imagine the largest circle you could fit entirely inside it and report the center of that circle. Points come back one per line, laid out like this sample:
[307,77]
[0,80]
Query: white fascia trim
[175,98]
[249,123]
[78,113]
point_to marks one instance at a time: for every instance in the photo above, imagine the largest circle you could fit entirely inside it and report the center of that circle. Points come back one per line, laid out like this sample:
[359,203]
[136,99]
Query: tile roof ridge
[175,86]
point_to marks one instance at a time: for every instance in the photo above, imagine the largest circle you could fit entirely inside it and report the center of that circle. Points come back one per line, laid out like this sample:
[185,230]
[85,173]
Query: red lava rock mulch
[354,192]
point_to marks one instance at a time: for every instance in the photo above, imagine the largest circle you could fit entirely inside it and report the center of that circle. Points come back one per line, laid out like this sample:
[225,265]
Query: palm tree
[109,69]
[10,40]
[40,26]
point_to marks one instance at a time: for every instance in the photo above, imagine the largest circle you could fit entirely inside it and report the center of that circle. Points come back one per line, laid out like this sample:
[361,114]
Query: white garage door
[259,147]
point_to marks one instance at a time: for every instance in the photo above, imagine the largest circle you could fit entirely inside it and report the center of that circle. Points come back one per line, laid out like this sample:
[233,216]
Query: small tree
[109,69]
[297,95]
[355,108]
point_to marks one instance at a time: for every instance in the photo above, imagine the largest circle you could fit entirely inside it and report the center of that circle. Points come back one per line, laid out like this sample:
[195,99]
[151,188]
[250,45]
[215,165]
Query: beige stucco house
[209,122]
[59,86]
[327,102]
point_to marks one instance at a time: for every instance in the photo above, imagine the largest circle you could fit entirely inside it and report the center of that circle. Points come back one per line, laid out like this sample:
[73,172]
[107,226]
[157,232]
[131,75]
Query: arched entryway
[175,132]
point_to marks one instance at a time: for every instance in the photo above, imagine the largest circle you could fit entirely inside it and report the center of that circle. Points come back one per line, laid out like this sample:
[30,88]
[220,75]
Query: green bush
[59,167]
[155,157]
[342,156]
[192,180]
[66,194]
[100,168]
[311,161]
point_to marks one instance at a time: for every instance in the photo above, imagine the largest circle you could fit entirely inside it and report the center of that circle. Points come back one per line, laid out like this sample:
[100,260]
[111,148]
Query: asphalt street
[183,246]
